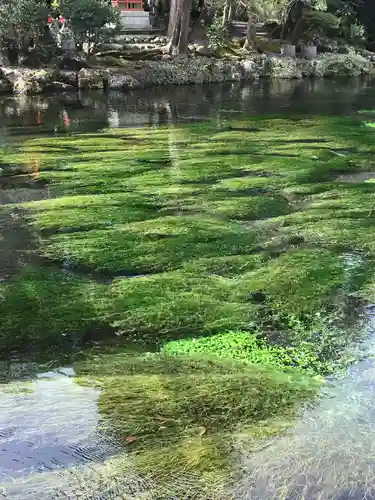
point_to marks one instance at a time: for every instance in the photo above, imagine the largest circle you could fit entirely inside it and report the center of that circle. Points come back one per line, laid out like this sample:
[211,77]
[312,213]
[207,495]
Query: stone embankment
[179,71]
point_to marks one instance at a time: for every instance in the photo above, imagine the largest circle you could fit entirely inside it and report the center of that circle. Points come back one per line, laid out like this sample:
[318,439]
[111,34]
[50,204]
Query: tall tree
[178,28]
[365,12]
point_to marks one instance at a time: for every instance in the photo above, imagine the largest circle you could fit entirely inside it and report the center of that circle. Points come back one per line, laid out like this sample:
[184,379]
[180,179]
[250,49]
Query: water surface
[50,440]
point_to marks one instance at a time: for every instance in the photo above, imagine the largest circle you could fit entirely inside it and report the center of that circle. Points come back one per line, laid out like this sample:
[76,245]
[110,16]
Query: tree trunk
[227,13]
[250,33]
[179,27]
[230,13]
[172,16]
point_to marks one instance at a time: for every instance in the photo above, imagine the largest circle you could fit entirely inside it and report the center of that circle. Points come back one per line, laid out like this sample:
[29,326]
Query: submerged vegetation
[180,415]
[234,252]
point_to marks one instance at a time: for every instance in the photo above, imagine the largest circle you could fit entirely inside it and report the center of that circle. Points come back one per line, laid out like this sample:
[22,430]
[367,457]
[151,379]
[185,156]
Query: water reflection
[93,111]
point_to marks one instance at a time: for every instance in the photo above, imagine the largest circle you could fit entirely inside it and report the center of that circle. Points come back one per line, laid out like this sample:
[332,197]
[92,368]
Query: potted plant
[290,25]
[305,20]
[310,46]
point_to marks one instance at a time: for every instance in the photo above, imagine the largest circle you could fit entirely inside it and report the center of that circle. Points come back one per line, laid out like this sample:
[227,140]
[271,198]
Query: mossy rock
[90,79]
[34,81]
[330,65]
[281,67]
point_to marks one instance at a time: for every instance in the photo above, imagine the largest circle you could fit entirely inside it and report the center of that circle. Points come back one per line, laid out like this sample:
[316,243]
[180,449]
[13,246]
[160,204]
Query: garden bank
[179,71]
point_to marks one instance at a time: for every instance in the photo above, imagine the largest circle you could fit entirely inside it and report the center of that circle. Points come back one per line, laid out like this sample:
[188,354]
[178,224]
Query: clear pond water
[51,446]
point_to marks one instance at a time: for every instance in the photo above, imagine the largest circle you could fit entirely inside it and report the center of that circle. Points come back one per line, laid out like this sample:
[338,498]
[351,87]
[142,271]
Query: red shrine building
[133,16]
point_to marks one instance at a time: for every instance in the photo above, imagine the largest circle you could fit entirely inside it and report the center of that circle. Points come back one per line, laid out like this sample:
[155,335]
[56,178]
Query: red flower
[50,20]
[61,19]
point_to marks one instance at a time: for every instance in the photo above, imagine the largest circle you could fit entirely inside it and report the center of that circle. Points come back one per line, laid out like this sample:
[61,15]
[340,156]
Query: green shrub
[90,20]
[20,20]
[342,64]
[218,34]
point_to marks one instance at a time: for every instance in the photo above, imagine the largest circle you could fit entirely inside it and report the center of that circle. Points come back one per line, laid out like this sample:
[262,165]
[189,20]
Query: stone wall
[195,70]
[135,20]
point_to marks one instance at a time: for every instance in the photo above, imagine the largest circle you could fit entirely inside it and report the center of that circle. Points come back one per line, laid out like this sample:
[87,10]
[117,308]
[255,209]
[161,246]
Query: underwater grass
[198,218]
[151,245]
[47,308]
[226,246]
[179,415]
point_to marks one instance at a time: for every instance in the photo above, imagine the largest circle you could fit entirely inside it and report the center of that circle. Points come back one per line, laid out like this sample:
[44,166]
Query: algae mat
[259,224]
[176,227]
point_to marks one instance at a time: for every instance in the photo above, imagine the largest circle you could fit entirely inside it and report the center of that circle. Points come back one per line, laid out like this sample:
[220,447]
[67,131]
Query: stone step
[122,40]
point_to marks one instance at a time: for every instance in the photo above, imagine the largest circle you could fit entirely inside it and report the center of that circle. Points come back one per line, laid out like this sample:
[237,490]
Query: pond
[187,279]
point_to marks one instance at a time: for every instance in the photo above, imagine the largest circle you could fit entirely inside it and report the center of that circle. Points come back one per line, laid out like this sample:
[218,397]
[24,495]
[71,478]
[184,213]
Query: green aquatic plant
[250,348]
[198,218]
[47,308]
[241,250]
[179,415]
[152,245]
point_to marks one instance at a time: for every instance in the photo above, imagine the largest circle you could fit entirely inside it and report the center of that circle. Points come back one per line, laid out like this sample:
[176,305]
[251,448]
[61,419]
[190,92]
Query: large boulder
[4,60]
[281,67]
[62,87]
[118,81]
[367,54]
[342,65]
[33,81]
[69,77]
[72,62]
[90,79]
[249,68]
[203,50]
[105,47]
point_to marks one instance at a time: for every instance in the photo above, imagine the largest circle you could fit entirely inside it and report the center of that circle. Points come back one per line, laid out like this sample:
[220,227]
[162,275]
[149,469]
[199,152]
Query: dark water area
[50,445]
[89,112]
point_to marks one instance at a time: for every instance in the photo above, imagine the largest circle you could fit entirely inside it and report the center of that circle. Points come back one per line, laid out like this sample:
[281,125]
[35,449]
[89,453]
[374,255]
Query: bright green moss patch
[248,207]
[91,211]
[300,279]
[228,266]
[170,305]
[340,218]
[248,347]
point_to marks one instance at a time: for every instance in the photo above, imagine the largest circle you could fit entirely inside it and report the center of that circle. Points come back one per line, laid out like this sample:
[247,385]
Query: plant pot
[289,50]
[310,51]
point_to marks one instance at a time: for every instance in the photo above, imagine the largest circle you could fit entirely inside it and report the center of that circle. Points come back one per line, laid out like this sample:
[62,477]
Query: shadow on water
[51,446]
